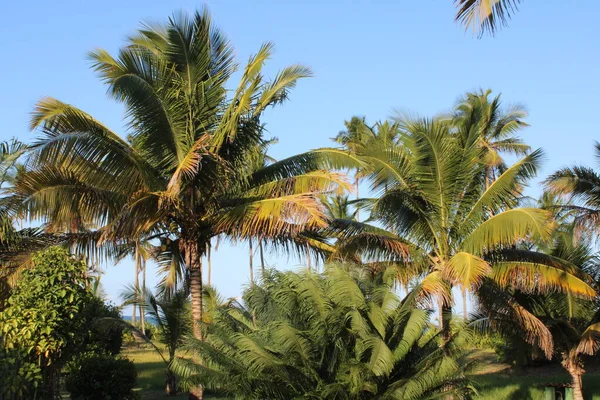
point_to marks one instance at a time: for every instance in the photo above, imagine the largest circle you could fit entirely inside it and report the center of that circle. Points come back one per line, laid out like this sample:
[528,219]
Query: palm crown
[182,173]
[460,232]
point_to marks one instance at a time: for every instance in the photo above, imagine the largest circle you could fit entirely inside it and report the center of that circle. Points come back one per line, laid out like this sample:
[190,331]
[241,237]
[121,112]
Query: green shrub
[19,377]
[102,338]
[101,377]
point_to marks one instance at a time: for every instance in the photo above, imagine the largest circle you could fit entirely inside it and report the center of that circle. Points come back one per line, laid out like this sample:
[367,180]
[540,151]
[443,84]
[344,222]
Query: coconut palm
[181,176]
[574,323]
[359,136]
[17,244]
[485,16]
[495,126]
[476,114]
[465,233]
[336,335]
[581,185]
[352,241]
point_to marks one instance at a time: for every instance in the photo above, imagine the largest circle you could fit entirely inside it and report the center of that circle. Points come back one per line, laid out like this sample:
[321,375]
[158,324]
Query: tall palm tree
[496,128]
[336,335]
[485,16]
[182,174]
[465,233]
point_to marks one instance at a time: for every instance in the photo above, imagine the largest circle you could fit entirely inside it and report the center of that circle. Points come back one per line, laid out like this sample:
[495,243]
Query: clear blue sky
[369,58]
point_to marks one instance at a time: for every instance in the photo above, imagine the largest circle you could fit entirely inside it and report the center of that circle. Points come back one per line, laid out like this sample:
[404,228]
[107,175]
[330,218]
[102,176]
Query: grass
[493,380]
[151,375]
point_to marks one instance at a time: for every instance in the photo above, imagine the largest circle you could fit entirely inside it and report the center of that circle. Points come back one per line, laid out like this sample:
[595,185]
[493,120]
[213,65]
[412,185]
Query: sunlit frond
[466,270]
[485,16]
[507,228]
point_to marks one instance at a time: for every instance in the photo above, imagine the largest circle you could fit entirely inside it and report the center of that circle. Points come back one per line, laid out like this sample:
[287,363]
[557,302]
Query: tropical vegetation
[394,222]
[341,334]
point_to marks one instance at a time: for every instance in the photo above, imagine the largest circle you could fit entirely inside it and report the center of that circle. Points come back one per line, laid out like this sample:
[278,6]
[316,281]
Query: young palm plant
[182,175]
[437,201]
[336,335]
[171,314]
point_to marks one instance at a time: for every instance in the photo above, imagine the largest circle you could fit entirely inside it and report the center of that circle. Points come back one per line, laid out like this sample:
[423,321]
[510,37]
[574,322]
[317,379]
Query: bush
[100,338]
[129,339]
[101,377]
[19,377]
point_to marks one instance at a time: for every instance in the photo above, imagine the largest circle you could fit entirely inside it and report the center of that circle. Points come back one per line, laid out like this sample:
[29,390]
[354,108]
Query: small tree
[46,315]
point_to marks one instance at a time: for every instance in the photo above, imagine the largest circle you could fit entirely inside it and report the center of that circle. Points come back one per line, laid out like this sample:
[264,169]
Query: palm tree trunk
[208,250]
[574,366]
[577,386]
[251,263]
[445,315]
[142,310]
[194,265]
[464,299]
[308,261]
[357,196]
[262,257]
[171,388]
[136,282]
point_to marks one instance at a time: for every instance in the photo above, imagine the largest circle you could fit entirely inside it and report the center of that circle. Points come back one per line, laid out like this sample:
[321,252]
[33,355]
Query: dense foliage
[447,211]
[101,377]
[336,335]
[49,318]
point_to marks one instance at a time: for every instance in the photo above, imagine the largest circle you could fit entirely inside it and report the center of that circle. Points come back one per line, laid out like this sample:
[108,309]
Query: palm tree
[336,335]
[574,323]
[359,135]
[496,128]
[351,241]
[182,176]
[17,244]
[485,16]
[461,233]
[581,185]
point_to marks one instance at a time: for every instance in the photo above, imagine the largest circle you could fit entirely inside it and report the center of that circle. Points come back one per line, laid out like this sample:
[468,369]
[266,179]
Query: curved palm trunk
[356,182]
[194,265]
